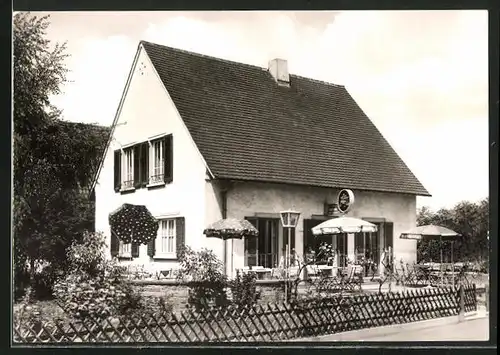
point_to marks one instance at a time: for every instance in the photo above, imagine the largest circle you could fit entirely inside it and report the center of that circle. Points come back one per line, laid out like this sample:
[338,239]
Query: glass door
[262,250]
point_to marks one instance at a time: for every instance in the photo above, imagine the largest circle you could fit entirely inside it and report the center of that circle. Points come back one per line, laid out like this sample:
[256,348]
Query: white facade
[147,111]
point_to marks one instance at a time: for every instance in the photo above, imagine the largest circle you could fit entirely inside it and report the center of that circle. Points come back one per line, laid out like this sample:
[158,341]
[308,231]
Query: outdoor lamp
[289,219]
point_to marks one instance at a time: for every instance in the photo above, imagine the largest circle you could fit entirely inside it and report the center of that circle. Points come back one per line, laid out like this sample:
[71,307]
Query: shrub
[96,287]
[243,289]
[204,273]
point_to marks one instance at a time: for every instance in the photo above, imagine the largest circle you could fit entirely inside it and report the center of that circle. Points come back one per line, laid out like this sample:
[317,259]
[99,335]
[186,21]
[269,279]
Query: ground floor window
[263,251]
[165,241]
[125,250]
[367,246]
[312,243]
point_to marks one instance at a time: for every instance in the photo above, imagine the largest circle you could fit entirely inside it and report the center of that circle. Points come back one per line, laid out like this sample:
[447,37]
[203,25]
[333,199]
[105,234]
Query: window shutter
[144,164]
[169,159]
[389,235]
[115,245]
[137,166]
[151,248]
[180,233]
[117,165]
[305,243]
[135,250]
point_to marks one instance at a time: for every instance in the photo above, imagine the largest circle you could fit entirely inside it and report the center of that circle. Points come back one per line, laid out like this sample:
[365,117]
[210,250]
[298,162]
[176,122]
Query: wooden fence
[273,322]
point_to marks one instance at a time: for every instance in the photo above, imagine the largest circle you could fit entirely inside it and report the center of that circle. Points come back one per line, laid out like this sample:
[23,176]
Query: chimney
[279,70]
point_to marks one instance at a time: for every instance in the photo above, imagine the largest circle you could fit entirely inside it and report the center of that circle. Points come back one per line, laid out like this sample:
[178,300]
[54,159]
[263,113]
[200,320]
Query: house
[197,139]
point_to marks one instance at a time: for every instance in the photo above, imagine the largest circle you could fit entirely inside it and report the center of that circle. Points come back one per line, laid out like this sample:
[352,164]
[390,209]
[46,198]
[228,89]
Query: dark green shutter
[144,164]
[135,250]
[180,226]
[151,248]
[169,159]
[115,245]
[117,166]
[137,166]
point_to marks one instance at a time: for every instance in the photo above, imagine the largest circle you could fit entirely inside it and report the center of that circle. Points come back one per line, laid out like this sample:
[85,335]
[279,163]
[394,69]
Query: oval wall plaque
[345,199]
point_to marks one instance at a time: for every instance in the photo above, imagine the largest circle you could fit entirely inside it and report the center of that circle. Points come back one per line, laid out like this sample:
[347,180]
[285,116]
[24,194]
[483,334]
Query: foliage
[53,159]
[469,219]
[205,274]
[243,289]
[96,287]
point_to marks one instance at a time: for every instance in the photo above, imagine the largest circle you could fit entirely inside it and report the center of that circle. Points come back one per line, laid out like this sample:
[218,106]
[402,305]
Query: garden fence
[272,322]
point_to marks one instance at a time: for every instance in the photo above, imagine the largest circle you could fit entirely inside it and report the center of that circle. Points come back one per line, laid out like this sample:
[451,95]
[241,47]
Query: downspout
[224,216]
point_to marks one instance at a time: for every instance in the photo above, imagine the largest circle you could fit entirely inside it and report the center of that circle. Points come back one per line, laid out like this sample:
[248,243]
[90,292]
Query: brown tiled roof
[249,128]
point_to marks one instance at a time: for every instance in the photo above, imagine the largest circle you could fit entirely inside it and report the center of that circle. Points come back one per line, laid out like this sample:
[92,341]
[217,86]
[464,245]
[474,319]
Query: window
[263,251]
[127,172]
[125,250]
[157,159]
[165,242]
[145,164]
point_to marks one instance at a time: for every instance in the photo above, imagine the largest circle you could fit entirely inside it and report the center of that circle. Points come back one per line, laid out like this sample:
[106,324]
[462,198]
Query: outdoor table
[326,270]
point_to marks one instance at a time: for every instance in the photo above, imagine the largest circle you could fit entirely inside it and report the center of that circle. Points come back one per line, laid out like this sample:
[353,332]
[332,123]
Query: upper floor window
[144,164]
[127,164]
[157,159]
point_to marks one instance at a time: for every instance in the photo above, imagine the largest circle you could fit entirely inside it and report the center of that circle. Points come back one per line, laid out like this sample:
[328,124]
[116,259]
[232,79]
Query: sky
[421,76]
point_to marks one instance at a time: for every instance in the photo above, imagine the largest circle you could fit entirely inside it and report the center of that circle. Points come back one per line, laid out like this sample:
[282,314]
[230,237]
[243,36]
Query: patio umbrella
[133,224]
[432,231]
[343,224]
[231,228]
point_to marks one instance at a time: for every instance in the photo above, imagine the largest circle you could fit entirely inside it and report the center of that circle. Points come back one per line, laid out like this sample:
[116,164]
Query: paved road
[472,330]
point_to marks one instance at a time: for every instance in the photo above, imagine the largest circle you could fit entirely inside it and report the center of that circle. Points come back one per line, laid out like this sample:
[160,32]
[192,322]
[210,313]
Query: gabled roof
[247,127]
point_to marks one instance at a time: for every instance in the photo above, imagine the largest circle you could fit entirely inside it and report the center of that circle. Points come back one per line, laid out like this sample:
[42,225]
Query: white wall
[148,111]
[247,199]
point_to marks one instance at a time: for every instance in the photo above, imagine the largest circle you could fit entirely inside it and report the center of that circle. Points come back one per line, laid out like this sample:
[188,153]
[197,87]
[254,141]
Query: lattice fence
[273,322]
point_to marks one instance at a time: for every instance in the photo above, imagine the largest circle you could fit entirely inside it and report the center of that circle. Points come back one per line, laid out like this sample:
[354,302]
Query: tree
[469,219]
[53,160]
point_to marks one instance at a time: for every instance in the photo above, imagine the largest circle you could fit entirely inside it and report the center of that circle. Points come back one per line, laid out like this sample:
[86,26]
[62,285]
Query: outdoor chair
[351,282]
[331,284]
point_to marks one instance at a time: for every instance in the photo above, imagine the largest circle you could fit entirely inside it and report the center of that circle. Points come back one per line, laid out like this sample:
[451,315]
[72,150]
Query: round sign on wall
[345,199]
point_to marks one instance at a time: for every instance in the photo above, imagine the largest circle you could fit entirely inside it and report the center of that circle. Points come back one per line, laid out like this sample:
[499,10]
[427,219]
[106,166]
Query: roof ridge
[202,55]
[317,81]
[235,62]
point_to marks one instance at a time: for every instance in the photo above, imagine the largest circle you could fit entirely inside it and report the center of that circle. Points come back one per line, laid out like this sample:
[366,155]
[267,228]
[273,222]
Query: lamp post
[289,220]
